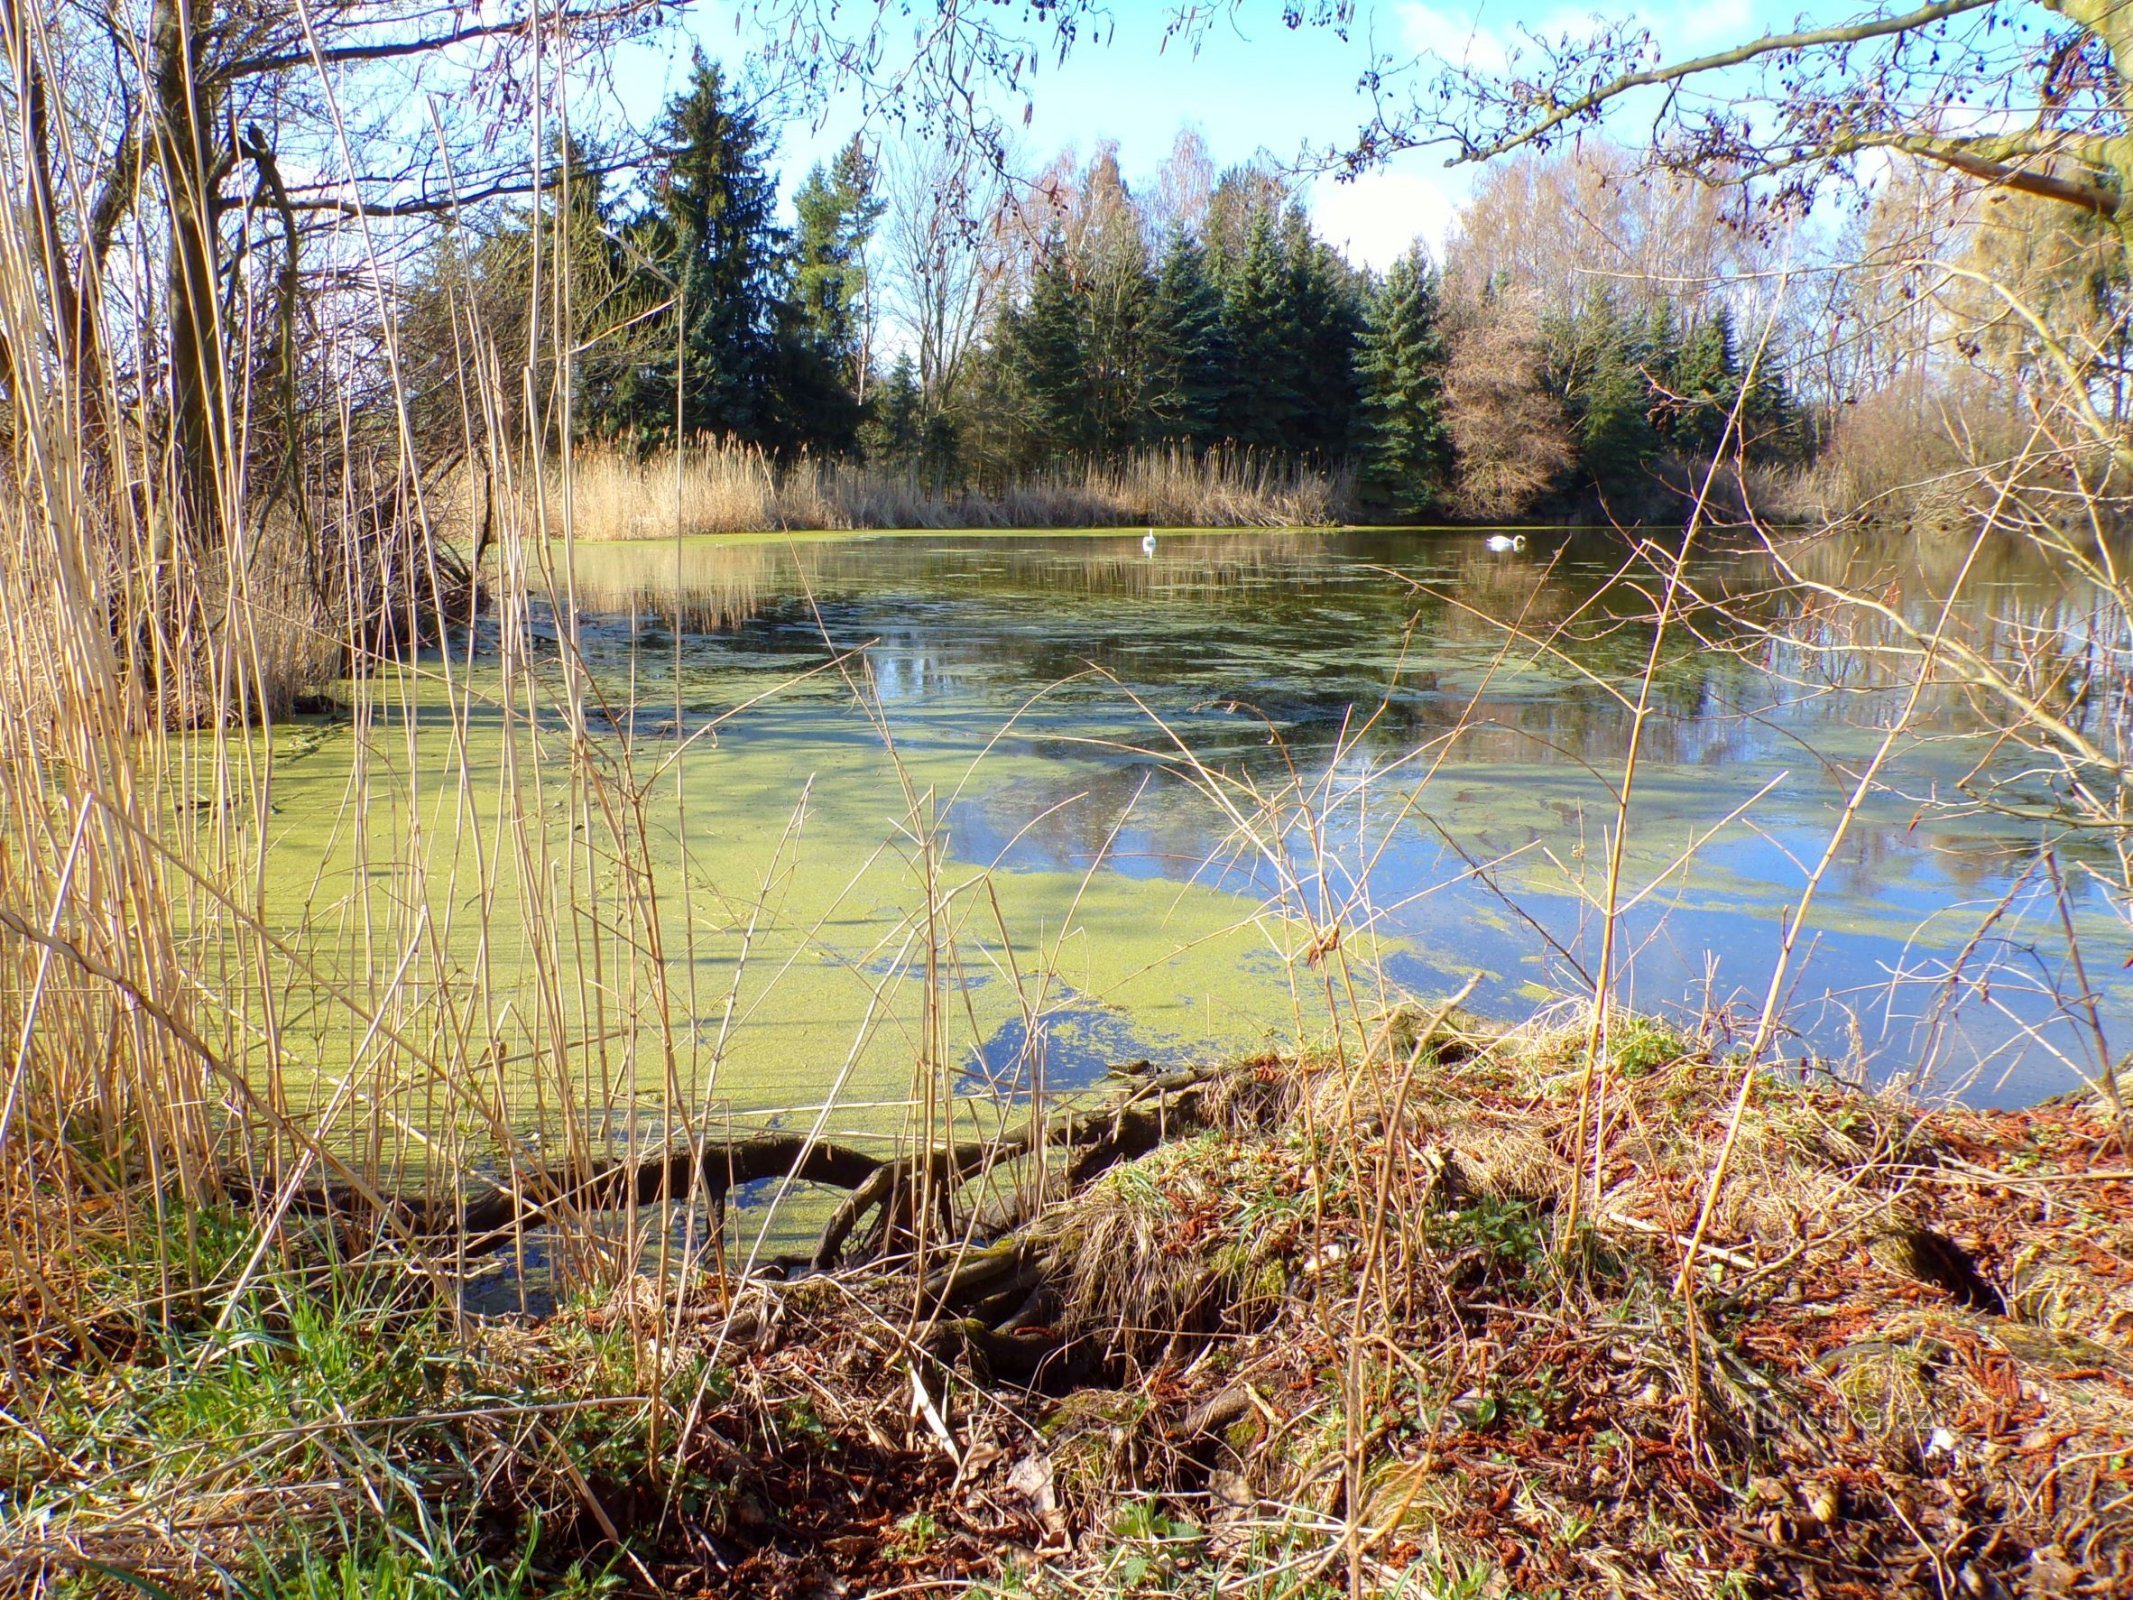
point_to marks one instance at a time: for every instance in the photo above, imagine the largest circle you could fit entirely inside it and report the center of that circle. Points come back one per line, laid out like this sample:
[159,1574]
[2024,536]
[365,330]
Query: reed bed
[728,487]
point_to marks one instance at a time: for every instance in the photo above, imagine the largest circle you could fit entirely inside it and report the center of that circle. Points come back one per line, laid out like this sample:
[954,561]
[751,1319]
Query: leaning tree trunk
[184,120]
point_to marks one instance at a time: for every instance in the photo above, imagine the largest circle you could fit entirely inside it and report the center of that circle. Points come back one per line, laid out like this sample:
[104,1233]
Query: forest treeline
[1072,321]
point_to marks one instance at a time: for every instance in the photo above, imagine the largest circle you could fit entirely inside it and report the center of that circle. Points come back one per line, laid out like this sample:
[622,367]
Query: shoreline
[1334,1321]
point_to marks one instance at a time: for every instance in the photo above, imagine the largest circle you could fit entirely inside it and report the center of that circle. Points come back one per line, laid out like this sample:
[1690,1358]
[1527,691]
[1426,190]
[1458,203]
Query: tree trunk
[73,338]
[184,116]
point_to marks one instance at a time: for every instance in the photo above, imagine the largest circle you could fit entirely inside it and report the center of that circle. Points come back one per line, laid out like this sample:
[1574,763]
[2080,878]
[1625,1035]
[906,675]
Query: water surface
[1139,792]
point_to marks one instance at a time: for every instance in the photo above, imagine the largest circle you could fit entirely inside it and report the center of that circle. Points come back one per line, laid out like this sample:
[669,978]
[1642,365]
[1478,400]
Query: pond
[868,818]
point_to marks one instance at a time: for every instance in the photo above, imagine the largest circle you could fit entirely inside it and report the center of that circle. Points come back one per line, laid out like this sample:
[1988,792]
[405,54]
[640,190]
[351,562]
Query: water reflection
[1445,724]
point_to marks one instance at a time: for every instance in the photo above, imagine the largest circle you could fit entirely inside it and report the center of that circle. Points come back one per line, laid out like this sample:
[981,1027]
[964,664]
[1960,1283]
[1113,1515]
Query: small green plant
[1448,1578]
[1145,1519]
[1510,1236]
[1155,1548]
[420,1564]
[799,1419]
[1641,1046]
[916,1535]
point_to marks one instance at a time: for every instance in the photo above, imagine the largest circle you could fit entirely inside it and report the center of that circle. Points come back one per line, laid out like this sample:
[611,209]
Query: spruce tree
[1117,295]
[1266,336]
[712,232]
[838,209]
[1771,421]
[1188,351]
[1598,365]
[609,298]
[1705,379]
[1328,299]
[1406,440]
[895,416]
[1045,341]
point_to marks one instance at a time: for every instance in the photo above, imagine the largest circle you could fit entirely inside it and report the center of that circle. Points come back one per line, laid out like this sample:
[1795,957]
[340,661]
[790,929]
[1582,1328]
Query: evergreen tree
[1240,197]
[896,416]
[1188,355]
[1046,341]
[1328,296]
[1598,365]
[1704,378]
[1772,423]
[1293,313]
[712,233]
[609,296]
[1406,442]
[1110,254]
[1267,338]
[487,262]
[1088,326]
[1709,379]
[838,210]
[1117,378]
[1661,340]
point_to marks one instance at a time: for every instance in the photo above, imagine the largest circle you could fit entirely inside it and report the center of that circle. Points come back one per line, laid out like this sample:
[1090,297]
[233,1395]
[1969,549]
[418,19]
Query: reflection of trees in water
[693,588]
[1329,667]
[1306,631]
[709,584]
[2059,645]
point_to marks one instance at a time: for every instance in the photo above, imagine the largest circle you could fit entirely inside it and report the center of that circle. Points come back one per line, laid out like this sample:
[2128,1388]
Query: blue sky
[1251,86]
[1254,86]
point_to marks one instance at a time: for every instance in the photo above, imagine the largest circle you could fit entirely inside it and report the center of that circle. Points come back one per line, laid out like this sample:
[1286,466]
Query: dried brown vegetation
[1511,440]
[1333,1327]
[733,488]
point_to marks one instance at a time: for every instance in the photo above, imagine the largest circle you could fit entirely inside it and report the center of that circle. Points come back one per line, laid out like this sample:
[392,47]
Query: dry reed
[726,487]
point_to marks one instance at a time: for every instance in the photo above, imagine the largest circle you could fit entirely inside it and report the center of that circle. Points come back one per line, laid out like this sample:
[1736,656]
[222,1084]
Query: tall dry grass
[728,487]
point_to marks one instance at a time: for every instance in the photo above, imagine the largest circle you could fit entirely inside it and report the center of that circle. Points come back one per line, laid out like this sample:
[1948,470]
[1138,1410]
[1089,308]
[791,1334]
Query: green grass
[325,1435]
[400,1565]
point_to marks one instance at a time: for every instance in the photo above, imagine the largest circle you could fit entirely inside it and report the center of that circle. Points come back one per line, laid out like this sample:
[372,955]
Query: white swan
[1148,544]
[1507,541]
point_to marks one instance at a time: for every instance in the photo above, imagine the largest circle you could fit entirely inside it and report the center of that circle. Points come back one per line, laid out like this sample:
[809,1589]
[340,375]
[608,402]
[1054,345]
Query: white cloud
[1380,214]
[1713,24]
[1481,35]
[1453,36]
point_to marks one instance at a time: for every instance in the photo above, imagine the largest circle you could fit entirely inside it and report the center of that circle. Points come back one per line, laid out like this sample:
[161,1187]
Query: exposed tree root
[1318,1317]
[487,1221]
[990,1294]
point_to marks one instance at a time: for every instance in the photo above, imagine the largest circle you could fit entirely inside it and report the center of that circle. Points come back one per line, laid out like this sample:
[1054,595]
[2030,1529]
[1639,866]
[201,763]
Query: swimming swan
[1507,541]
[1148,543]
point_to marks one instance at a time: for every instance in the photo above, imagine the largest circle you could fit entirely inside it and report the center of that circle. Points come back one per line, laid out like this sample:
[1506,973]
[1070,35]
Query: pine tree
[1188,349]
[838,209]
[1406,441]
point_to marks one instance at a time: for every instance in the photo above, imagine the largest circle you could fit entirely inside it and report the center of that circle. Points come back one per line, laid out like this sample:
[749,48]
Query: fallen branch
[1129,1125]
[487,1221]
